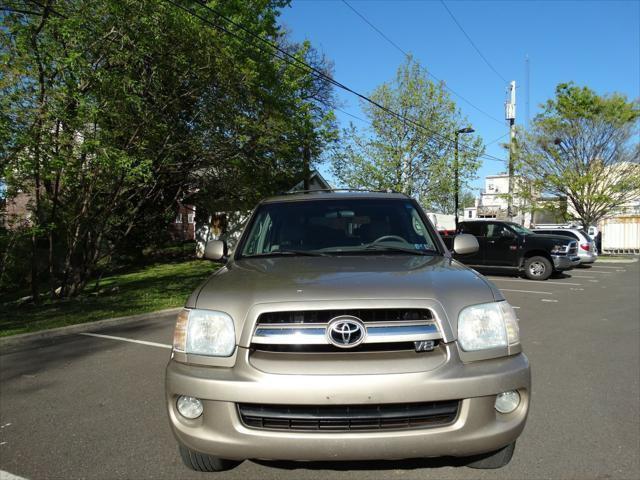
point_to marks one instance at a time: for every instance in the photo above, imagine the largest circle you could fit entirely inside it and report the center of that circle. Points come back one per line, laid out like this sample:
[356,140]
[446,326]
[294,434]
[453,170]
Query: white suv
[587,250]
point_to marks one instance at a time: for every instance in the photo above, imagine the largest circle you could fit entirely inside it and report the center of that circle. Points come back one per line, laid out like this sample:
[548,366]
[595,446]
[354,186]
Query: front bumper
[477,429]
[563,262]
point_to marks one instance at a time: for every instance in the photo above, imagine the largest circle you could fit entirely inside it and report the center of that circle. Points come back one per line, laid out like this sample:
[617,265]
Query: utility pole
[306,171]
[456,172]
[455,182]
[527,74]
[510,115]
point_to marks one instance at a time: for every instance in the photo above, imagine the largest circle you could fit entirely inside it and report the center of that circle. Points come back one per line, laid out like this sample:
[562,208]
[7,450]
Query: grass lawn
[140,290]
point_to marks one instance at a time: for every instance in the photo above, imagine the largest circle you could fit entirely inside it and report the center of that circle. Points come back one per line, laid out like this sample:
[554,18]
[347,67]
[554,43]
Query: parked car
[510,247]
[341,328]
[587,250]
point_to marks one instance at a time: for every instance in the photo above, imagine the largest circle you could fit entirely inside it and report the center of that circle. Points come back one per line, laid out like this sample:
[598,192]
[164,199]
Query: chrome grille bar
[315,333]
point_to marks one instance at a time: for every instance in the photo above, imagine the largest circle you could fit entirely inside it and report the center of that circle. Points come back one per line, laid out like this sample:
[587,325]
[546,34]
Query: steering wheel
[384,238]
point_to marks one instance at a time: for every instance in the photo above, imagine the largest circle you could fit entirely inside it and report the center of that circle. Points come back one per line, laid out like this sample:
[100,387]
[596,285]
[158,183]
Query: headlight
[204,332]
[559,249]
[489,325]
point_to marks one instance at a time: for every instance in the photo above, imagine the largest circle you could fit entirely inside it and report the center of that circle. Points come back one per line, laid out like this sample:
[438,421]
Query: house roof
[316,182]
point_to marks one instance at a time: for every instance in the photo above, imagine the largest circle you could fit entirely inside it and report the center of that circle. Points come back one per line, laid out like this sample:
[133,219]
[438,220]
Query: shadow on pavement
[40,355]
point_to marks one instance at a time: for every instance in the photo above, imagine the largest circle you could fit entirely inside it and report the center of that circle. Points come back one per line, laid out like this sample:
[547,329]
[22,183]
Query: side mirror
[465,243]
[215,250]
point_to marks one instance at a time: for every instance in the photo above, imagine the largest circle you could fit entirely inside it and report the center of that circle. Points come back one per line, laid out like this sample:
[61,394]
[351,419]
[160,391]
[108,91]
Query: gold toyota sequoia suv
[341,328]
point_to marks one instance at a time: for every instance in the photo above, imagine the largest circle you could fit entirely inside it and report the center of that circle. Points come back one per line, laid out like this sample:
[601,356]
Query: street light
[456,168]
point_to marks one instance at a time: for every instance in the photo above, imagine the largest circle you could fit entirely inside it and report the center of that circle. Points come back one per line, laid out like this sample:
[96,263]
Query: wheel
[496,459]
[538,268]
[201,462]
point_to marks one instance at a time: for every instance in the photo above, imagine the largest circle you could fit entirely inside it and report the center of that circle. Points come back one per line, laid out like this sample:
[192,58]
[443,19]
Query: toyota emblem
[346,331]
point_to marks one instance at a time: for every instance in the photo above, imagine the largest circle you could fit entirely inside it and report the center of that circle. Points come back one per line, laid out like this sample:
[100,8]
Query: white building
[494,200]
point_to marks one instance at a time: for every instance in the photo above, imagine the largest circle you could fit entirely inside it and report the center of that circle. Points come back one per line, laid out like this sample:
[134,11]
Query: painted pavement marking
[122,339]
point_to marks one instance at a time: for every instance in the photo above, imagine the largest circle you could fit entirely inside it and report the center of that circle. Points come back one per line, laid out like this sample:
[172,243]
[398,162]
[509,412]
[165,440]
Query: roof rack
[333,190]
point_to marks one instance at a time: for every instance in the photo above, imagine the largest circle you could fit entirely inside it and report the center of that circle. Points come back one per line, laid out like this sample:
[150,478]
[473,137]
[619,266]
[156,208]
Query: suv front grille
[365,347]
[346,418]
[573,248]
[365,314]
[313,330]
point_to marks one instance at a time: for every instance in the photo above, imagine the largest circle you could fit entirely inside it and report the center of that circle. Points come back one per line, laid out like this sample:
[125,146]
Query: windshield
[521,230]
[339,226]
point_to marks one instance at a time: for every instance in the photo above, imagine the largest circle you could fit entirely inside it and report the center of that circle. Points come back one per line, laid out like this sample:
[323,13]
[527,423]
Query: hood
[235,288]
[563,240]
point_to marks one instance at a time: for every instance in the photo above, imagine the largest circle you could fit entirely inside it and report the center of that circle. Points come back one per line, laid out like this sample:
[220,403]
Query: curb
[11,342]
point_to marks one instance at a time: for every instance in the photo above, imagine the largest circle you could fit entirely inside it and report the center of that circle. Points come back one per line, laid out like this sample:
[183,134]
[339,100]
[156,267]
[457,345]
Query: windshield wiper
[391,248]
[292,253]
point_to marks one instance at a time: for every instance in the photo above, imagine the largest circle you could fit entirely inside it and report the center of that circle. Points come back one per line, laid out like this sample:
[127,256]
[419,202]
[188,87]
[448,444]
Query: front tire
[201,462]
[497,459]
[538,268]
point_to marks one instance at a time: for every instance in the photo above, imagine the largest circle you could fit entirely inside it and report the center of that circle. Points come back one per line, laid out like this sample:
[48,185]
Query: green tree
[112,110]
[265,153]
[581,147]
[394,154]
[446,205]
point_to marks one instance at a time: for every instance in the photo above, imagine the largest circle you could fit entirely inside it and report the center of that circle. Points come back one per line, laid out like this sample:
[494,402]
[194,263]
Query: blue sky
[593,43]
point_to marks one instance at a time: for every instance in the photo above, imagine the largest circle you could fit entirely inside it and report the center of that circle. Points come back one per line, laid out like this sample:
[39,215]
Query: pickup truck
[512,247]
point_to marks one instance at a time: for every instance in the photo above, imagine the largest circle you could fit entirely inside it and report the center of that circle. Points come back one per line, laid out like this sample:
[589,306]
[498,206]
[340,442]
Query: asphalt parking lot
[93,407]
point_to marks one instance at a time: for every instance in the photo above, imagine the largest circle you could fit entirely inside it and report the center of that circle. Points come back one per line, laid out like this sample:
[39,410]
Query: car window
[520,229]
[498,230]
[260,231]
[347,225]
[474,228]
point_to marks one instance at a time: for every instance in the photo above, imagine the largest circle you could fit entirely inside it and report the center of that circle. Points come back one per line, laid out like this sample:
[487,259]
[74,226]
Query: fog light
[189,407]
[507,402]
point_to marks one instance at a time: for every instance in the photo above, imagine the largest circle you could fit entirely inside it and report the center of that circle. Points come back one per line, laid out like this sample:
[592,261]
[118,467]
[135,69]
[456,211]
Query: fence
[621,234]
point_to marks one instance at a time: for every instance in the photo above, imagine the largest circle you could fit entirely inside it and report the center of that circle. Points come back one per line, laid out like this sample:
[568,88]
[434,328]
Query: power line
[473,43]
[496,159]
[395,45]
[484,155]
[353,116]
[296,61]
[375,28]
[496,140]
[310,69]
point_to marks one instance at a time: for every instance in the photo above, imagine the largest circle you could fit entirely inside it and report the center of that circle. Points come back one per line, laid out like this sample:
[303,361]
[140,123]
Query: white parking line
[516,308]
[604,266]
[546,282]
[616,260]
[122,339]
[548,300]
[581,276]
[601,273]
[526,291]
[9,476]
